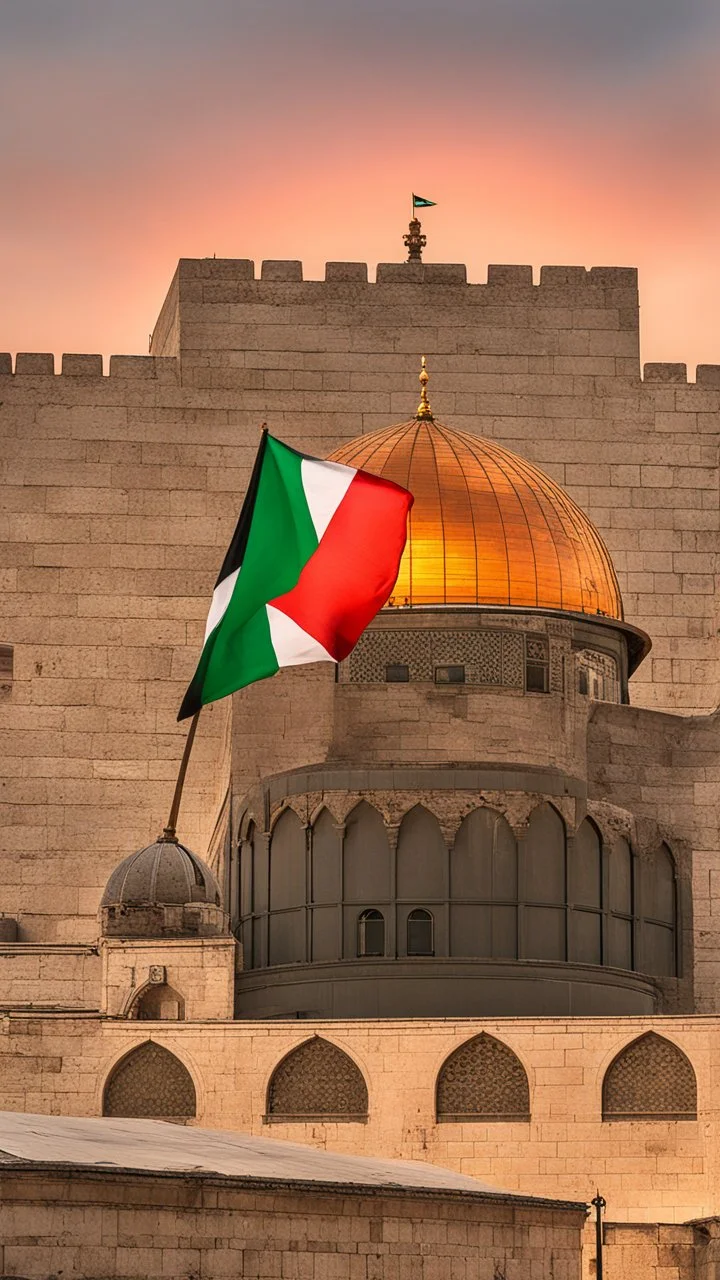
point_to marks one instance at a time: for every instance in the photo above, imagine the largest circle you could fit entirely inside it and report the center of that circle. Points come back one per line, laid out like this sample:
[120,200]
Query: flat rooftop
[120,1145]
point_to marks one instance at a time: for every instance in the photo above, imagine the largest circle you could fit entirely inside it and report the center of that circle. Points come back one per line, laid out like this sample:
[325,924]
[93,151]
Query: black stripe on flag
[235,553]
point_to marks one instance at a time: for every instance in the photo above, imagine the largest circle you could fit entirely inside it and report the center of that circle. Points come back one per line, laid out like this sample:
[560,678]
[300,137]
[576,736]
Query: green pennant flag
[419,202]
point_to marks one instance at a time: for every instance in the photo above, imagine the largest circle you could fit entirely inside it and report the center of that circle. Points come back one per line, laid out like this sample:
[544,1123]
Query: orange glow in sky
[564,132]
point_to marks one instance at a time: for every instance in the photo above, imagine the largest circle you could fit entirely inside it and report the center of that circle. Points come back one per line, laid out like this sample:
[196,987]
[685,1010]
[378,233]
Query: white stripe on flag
[220,601]
[292,645]
[325,485]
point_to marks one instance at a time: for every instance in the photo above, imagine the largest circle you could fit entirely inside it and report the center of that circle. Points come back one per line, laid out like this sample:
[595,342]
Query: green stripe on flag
[281,540]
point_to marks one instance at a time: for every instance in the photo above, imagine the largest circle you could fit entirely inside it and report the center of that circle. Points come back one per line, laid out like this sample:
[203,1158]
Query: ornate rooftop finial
[423,410]
[414,241]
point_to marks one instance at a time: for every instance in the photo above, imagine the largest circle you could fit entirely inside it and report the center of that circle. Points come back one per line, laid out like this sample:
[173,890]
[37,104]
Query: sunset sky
[134,132]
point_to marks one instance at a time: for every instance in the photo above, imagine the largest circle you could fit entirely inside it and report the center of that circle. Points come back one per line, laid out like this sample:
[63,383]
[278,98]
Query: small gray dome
[166,873]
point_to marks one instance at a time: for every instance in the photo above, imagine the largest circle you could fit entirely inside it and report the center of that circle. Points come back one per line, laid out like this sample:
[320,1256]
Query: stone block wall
[94,1225]
[201,970]
[648,1170]
[120,493]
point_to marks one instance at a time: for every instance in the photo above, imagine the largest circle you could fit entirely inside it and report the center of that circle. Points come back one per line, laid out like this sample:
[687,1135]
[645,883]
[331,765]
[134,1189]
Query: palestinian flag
[315,555]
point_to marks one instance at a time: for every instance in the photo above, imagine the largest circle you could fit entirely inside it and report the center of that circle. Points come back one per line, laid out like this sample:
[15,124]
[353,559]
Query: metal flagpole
[169,834]
[599,1204]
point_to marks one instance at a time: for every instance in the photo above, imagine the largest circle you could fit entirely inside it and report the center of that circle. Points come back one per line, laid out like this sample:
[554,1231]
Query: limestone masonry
[455,901]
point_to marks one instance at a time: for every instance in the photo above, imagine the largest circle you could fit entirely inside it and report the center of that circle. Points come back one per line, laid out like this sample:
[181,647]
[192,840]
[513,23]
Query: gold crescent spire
[423,410]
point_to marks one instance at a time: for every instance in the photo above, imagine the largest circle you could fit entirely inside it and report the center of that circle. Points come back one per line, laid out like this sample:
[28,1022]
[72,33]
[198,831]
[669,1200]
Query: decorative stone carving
[150,1082]
[489,657]
[317,1081]
[651,1079]
[483,1080]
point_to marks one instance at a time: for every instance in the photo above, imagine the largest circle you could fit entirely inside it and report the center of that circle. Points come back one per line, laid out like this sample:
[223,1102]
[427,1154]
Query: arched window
[543,886]
[420,940]
[150,1082]
[160,1003]
[585,895]
[371,933]
[620,949]
[287,890]
[650,1079]
[484,887]
[317,1081]
[482,1080]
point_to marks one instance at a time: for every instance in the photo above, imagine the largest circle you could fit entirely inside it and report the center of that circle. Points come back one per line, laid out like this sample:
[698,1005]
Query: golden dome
[487,527]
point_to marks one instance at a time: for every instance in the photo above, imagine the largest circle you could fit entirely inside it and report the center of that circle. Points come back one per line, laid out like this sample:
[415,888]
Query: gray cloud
[593,31]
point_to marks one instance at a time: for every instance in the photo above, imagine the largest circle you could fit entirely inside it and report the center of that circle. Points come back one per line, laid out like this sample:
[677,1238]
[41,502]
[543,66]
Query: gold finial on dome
[423,410]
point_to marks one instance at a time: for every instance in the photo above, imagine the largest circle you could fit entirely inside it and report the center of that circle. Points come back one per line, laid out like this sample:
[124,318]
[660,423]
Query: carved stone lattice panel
[150,1082]
[651,1079]
[483,1080]
[489,657]
[317,1081]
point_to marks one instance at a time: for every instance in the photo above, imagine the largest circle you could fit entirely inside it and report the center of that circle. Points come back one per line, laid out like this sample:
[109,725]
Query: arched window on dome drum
[650,1079]
[317,1081]
[585,895]
[420,939]
[659,911]
[150,1082]
[287,890]
[482,1080]
[371,933]
[484,887]
[325,888]
[543,886]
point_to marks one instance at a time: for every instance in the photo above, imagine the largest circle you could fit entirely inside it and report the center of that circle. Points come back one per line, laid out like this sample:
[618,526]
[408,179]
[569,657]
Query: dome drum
[538,652]
[431,901]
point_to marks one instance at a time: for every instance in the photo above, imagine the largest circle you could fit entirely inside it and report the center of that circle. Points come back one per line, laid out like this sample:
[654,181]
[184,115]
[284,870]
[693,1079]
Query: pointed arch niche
[317,1081]
[150,1082]
[650,1079]
[482,1080]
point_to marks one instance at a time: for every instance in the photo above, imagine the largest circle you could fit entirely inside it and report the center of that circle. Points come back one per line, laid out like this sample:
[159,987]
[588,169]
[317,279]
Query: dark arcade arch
[317,1081]
[650,1079]
[484,887]
[287,890]
[543,871]
[482,1080]
[421,857]
[585,895]
[150,1082]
